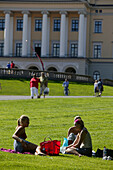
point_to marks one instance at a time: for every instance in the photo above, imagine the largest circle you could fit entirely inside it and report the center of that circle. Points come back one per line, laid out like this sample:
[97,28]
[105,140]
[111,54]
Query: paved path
[6,97]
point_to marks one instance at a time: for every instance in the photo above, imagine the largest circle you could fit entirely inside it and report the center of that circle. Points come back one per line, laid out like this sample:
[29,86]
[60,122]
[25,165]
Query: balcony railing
[27,74]
[34,56]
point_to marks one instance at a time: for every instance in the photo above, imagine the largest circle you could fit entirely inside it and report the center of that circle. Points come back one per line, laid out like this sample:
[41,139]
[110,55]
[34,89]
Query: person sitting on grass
[83,143]
[20,144]
[72,132]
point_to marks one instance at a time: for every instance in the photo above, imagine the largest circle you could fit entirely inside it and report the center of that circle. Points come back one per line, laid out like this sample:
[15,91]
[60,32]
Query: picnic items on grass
[51,147]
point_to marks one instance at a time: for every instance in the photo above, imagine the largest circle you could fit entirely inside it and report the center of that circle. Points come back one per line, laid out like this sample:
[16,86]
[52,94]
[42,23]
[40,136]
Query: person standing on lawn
[20,144]
[34,86]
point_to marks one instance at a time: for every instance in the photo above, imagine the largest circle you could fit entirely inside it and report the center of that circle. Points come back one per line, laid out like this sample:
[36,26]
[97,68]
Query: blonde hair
[22,119]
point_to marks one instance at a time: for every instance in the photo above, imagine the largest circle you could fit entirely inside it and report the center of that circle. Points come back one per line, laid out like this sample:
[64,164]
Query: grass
[53,117]
[21,87]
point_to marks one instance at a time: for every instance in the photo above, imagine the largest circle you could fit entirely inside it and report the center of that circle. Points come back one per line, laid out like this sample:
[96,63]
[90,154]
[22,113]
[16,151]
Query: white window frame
[34,23]
[16,42]
[97,75]
[95,27]
[55,42]
[16,24]
[72,42]
[94,51]
[53,24]
[71,24]
[2,42]
[36,42]
[2,18]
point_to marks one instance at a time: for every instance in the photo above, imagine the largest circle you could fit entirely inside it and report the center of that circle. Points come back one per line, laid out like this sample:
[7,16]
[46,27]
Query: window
[2,24]
[18,49]
[37,47]
[37,44]
[97,50]
[74,50]
[96,75]
[70,70]
[51,69]
[98,27]
[19,24]
[75,25]
[38,24]
[100,11]
[56,25]
[56,49]
[1,49]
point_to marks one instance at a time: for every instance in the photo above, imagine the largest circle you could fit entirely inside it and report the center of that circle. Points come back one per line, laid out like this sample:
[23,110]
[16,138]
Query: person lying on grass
[72,132]
[20,144]
[83,143]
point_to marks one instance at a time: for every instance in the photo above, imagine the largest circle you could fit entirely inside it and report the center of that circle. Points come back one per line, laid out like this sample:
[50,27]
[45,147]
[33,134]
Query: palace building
[69,35]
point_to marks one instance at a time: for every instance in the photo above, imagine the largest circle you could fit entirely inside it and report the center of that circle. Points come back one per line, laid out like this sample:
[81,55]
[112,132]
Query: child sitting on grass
[20,144]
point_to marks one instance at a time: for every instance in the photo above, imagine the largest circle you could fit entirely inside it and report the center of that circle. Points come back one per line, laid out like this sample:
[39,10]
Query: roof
[42,0]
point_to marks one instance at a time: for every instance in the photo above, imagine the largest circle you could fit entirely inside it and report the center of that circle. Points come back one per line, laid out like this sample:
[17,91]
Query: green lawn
[21,87]
[53,117]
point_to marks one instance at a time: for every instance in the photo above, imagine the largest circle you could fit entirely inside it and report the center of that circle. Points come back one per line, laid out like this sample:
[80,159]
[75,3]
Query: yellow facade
[95,11]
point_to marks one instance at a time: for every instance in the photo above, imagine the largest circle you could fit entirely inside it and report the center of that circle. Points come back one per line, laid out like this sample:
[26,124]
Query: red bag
[51,147]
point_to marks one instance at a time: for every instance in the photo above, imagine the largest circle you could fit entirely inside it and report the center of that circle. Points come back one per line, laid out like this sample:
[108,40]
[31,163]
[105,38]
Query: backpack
[99,153]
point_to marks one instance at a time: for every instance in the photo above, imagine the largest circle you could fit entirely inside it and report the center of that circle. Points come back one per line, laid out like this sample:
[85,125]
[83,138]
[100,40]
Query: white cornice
[42,9]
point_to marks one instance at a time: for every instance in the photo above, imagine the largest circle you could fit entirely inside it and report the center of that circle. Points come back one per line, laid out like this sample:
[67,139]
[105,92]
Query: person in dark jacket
[100,87]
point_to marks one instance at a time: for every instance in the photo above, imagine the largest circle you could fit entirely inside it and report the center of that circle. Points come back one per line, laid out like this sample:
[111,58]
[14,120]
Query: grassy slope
[17,87]
[53,117]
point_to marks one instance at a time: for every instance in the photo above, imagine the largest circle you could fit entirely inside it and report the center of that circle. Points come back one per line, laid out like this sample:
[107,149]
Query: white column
[48,35]
[81,36]
[29,36]
[66,44]
[44,33]
[85,35]
[25,33]
[7,33]
[11,36]
[63,34]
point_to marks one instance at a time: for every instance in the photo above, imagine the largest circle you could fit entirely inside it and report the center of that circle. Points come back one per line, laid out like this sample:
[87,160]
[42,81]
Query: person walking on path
[96,88]
[43,84]
[66,85]
[34,86]
[100,87]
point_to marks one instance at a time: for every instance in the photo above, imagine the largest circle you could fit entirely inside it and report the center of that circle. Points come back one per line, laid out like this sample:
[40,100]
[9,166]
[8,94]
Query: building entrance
[38,51]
